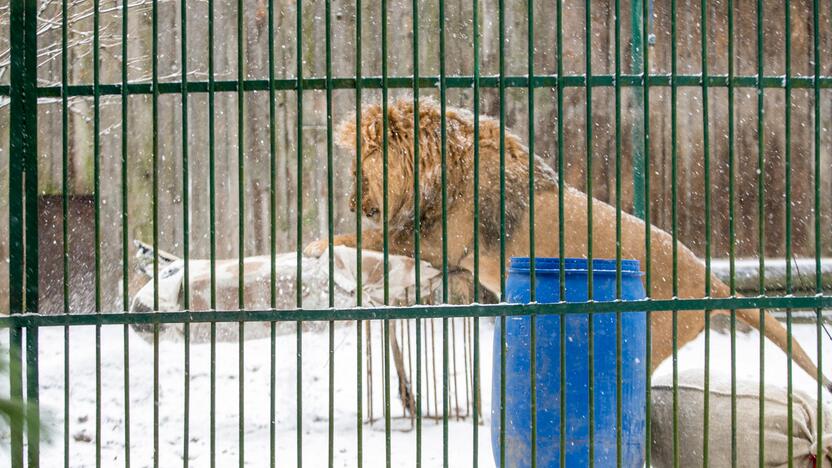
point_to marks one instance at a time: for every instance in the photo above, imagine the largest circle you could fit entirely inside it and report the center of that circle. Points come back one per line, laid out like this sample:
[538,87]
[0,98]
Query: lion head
[400,156]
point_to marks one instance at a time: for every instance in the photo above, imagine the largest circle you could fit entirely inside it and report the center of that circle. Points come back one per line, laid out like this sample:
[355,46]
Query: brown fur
[460,213]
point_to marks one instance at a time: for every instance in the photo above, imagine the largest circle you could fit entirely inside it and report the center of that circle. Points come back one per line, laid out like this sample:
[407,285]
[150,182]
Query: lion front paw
[316,248]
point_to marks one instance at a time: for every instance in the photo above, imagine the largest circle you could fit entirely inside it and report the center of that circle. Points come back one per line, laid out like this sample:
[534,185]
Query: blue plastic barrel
[576,343]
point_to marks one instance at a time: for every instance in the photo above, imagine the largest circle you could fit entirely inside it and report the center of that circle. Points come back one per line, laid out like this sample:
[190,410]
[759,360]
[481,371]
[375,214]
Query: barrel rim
[575,265]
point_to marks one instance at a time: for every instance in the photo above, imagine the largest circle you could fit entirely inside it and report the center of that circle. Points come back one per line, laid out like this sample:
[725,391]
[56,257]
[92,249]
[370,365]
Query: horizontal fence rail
[427,82]
[415,312]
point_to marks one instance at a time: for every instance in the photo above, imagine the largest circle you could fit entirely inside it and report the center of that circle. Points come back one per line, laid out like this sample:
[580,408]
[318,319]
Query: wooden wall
[459,60]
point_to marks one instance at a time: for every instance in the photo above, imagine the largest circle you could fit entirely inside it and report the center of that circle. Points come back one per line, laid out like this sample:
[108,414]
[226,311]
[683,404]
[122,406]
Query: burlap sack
[690,424]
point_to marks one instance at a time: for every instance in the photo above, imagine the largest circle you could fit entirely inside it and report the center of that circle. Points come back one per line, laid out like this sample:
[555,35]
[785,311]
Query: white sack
[690,421]
[257,285]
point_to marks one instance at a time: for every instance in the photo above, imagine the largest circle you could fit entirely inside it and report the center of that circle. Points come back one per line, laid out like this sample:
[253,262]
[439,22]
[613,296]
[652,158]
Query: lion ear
[370,129]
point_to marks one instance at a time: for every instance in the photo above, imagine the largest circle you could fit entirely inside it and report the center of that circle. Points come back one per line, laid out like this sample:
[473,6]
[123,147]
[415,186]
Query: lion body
[459,204]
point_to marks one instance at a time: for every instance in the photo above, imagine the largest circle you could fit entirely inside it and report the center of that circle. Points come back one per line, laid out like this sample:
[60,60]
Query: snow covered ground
[257,392]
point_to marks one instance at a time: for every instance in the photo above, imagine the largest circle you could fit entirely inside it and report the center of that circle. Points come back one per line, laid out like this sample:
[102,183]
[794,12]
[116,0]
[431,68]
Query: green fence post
[640,139]
[23,290]
[638,123]
[17,152]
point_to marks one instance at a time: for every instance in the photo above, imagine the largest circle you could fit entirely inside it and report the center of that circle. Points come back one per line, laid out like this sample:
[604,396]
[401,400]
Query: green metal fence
[24,94]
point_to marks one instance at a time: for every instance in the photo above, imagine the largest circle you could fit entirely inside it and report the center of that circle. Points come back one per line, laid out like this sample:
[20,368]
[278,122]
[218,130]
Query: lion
[460,209]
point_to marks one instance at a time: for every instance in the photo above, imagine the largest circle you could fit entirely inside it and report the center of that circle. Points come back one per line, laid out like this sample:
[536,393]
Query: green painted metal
[502,120]
[674,216]
[619,452]
[444,202]
[761,231]
[475,375]
[637,50]
[588,140]
[212,227]
[359,214]
[385,209]
[416,312]
[561,236]
[96,157]
[23,148]
[273,243]
[642,163]
[241,233]
[65,239]
[385,229]
[330,169]
[417,226]
[186,234]
[124,226]
[732,231]
[703,21]
[532,274]
[299,245]
[155,217]
[788,201]
[817,221]
[16,391]
[655,80]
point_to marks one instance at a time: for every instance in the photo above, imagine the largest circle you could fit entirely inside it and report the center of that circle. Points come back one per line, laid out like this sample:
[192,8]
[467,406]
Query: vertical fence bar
[589,280]
[475,372]
[417,229]
[618,316]
[788,215]
[731,231]
[32,218]
[644,211]
[433,362]
[359,180]
[65,230]
[96,155]
[330,184]
[502,119]
[761,245]
[212,227]
[444,171]
[31,181]
[299,233]
[385,209]
[532,259]
[32,397]
[19,147]
[273,239]
[674,216]
[707,188]
[241,237]
[125,271]
[155,215]
[818,283]
[637,9]
[16,392]
[186,235]
[561,234]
